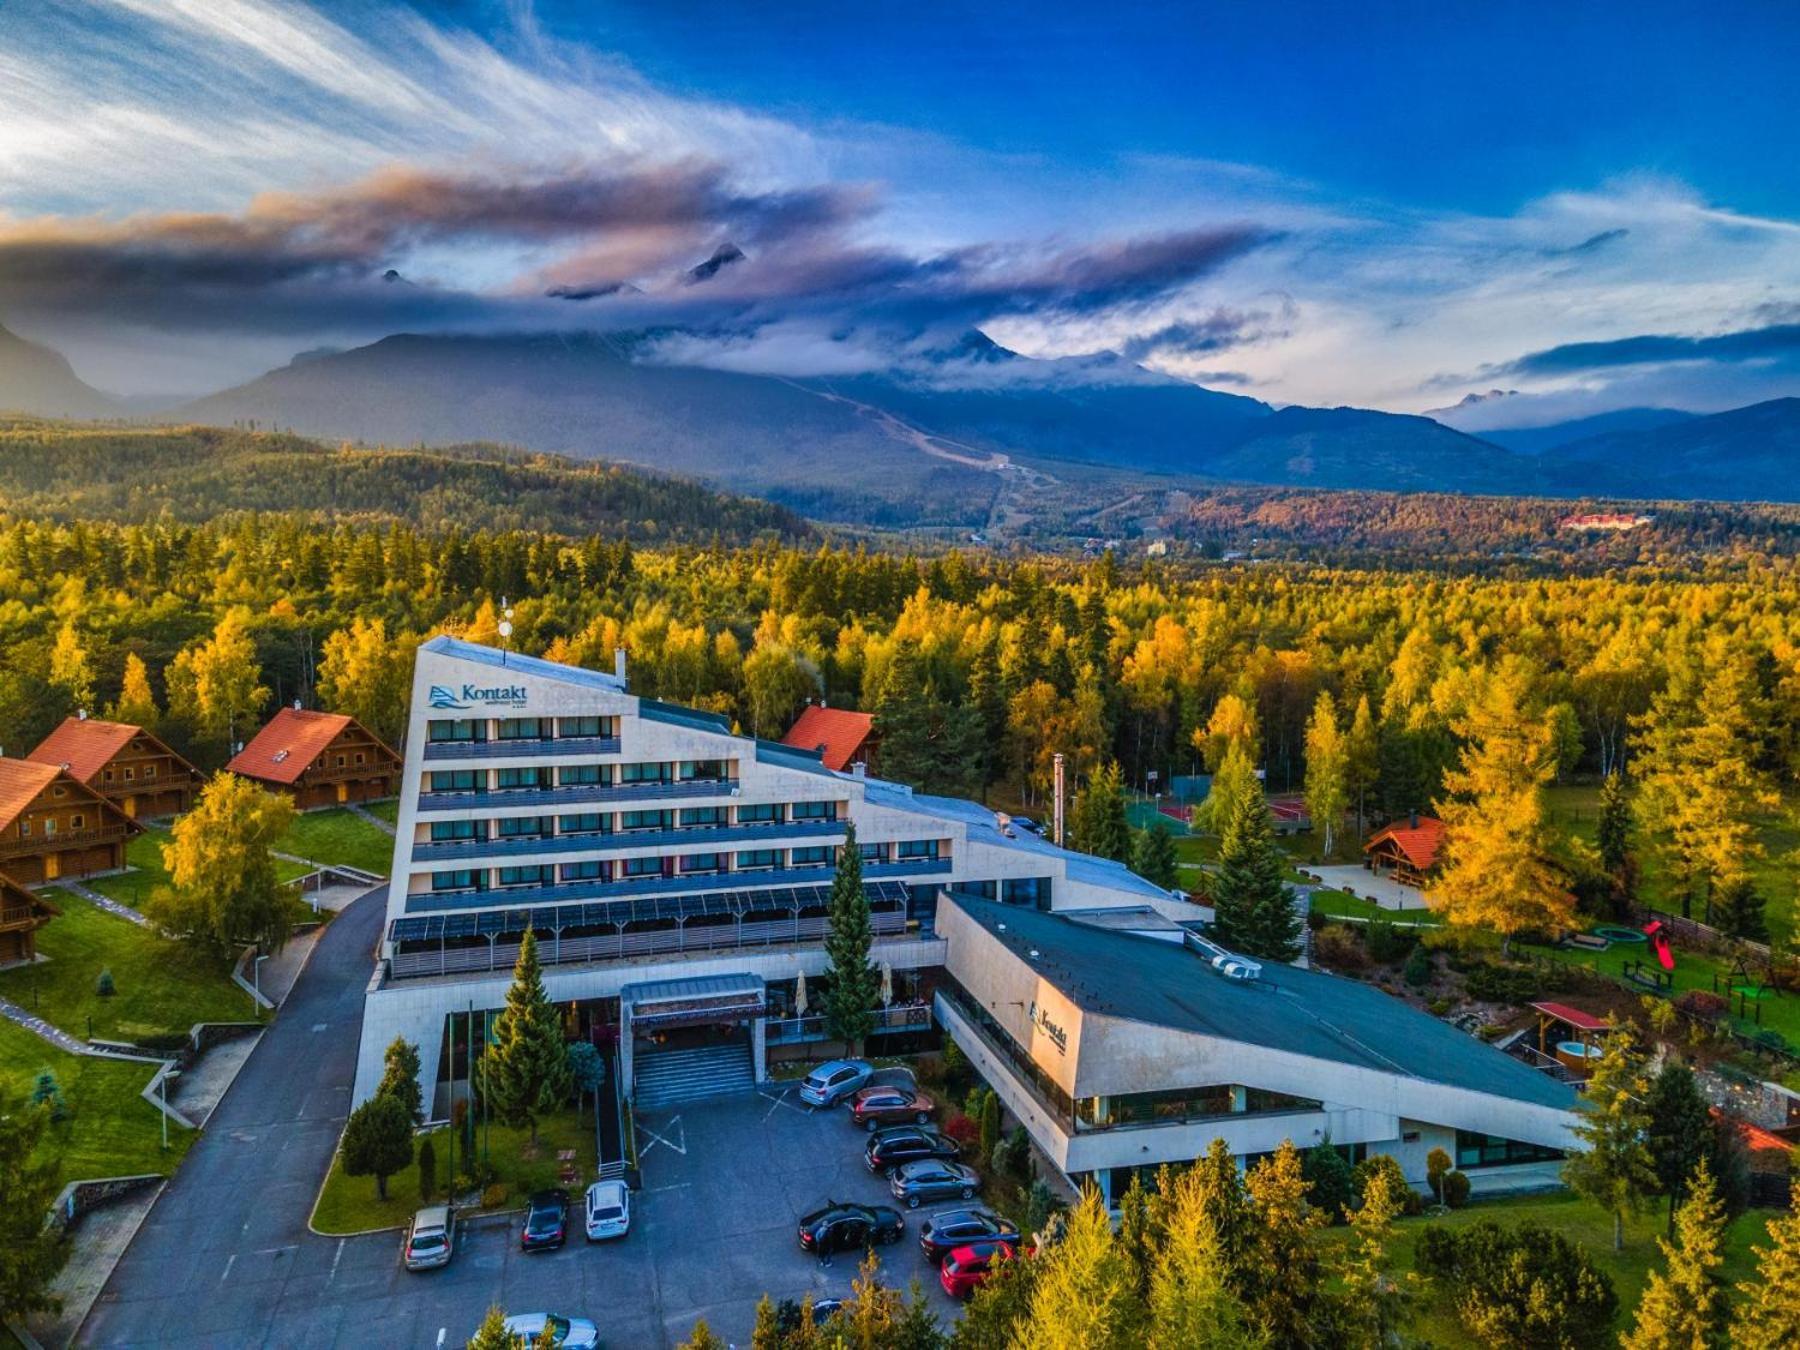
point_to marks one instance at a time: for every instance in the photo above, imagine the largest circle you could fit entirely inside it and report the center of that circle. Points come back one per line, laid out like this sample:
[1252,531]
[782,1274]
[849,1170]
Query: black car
[546,1221]
[949,1229]
[845,1228]
[907,1143]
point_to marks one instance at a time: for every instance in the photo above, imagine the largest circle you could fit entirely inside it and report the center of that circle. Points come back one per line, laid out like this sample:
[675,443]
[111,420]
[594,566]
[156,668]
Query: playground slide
[1659,943]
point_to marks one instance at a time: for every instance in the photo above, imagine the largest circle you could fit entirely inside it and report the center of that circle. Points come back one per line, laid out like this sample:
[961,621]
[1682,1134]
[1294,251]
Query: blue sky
[1593,205]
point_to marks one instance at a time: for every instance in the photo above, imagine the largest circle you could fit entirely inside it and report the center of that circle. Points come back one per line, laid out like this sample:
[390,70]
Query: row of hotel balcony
[449,738]
[577,784]
[524,886]
[594,832]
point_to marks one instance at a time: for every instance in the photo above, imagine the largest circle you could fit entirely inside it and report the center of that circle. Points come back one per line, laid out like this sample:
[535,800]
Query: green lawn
[349,1204]
[1582,1222]
[388,810]
[1342,905]
[161,986]
[111,1130]
[339,836]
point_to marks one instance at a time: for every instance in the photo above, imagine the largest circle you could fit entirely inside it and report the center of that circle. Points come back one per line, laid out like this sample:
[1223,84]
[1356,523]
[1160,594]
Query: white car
[608,1210]
[572,1333]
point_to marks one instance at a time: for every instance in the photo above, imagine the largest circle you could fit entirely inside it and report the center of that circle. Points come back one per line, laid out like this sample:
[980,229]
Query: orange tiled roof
[293,739]
[20,782]
[1418,844]
[837,733]
[84,747]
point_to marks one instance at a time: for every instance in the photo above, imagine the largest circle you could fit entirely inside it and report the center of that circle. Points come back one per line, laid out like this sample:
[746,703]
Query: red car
[967,1268]
[873,1107]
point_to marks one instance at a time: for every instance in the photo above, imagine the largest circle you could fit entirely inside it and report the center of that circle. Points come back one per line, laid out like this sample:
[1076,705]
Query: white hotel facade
[676,875]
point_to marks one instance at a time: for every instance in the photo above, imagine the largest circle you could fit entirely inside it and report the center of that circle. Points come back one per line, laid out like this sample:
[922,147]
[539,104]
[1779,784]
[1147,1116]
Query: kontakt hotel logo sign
[462,698]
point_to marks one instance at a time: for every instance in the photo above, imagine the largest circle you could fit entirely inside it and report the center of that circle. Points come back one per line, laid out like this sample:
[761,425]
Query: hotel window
[449,831]
[24,829]
[442,729]
[584,871]
[1490,1150]
[702,817]
[534,875]
[873,852]
[459,780]
[704,771]
[524,778]
[583,775]
[520,729]
[1033,891]
[589,822]
[59,793]
[813,811]
[645,820]
[703,862]
[643,867]
[646,773]
[811,857]
[764,813]
[758,860]
[582,727]
[917,848]
[460,880]
[523,827]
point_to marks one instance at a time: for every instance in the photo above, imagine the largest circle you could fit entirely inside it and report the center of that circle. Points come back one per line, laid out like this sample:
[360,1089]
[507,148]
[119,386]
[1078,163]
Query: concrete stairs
[673,1077]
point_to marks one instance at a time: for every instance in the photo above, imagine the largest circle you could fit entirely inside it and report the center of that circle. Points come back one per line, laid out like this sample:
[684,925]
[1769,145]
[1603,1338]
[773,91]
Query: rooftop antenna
[506,629]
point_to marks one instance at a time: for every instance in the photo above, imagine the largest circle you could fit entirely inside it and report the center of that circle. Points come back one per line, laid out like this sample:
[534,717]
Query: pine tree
[377,1141]
[1100,822]
[1614,1169]
[525,1073]
[1327,770]
[1190,1299]
[31,1251]
[1085,1296]
[1154,857]
[1137,1236]
[1768,1309]
[1286,1281]
[1680,1133]
[400,1078]
[987,697]
[1684,1307]
[1362,760]
[493,1335]
[1374,1305]
[136,705]
[1737,910]
[850,998]
[1612,835]
[1253,908]
[703,1337]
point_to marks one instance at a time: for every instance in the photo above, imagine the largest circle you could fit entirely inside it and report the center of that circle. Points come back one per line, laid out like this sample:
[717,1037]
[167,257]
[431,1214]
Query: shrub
[104,985]
[1386,943]
[1435,1256]
[1701,1003]
[494,1195]
[1440,1006]
[1401,1187]
[1520,1287]
[461,1184]
[1317,919]
[1418,970]
[1015,1154]
[1437,1163]
[955,1062]
[1332,1180]
[929,1070]
[1493,983]
[1339,948]
[962,1128]
[1456,1188]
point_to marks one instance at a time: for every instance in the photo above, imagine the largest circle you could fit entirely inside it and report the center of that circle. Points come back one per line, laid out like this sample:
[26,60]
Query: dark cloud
[1592,244]
[1776,341]
[1218,331]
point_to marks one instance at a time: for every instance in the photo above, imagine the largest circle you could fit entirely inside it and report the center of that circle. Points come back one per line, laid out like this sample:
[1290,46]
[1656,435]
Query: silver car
[430,1238]
[831,1082]
[608,1210]
[572,1333]
[933,1179]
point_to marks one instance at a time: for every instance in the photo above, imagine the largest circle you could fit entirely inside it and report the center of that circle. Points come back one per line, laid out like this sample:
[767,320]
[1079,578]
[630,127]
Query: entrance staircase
[672,1077]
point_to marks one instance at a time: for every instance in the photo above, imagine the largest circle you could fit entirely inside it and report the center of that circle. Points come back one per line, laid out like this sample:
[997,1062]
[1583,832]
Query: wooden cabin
[53,826]
[21,914]
[319,759]
[1407,850]
[842,738]
[123,763]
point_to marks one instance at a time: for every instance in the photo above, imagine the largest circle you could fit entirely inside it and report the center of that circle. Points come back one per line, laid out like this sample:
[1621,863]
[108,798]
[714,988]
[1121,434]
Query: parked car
[430,1238]
[907,1143]
[873,1107]
[968,1268]
[948,1229]
[572,1333]
[830,1083]
[933,1179]
[843,1228]
[608,1210]
[546,1221]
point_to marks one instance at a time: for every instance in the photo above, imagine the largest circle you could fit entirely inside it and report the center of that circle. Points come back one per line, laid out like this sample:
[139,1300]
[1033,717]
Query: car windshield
[541,1219]
[558,1325]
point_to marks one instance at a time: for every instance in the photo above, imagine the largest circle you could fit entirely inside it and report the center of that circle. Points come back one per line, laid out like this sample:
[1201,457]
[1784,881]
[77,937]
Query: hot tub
[1575,1055]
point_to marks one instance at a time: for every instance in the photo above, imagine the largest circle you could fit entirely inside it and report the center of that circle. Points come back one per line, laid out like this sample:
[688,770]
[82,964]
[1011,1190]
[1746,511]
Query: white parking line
[335,1259]
[225,1274]
[656,1138]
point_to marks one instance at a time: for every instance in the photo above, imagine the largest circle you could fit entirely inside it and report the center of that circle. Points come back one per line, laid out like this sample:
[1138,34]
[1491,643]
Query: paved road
[226,1255]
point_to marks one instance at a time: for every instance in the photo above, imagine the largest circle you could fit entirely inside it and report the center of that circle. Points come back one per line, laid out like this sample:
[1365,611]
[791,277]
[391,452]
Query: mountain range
[941,441]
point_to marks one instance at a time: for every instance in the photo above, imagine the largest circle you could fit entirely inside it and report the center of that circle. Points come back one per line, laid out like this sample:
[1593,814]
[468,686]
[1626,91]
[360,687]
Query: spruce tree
[1680,1133]
[1086,1295]
[1286,1280]
[1100,823]
[1685,1306]
[493,1335]
[1154,857]
[1736,910]
[1768,1310]
[855,985]
[1374,1305]
[400,1078]
[1613,834]
[525,1073]
[1614,1169]
[1253,909]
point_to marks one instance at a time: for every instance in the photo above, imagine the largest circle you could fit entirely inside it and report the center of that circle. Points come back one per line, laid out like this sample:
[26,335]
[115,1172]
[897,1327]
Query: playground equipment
[1658,938]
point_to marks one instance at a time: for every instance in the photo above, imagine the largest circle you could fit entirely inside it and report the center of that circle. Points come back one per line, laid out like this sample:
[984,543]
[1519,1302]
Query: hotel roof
[520,664]
[1302,1012]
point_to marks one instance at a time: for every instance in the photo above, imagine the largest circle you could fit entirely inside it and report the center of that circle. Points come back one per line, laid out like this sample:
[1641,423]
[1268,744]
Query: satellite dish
[505,628]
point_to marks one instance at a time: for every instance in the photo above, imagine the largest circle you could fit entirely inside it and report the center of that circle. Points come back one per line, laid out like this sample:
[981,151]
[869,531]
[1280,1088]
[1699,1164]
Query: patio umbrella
[887,984]
[800,995]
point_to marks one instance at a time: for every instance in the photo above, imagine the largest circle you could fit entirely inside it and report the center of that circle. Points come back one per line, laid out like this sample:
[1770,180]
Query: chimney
[1415,820]
[81,714]
[296,705]
[860,769]
[619,664]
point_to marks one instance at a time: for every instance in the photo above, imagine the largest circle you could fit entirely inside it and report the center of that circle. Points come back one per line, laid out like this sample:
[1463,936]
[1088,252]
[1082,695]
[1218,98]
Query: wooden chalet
[319,759]
[53,826]
[21,914]
[125,764]
[1407,850]
[843,738]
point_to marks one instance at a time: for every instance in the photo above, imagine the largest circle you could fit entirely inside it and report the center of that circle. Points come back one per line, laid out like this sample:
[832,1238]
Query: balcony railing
[523,748]
[701,838]
[12,845]
[795,1030]
[513,799]
[690,936]
[21,916]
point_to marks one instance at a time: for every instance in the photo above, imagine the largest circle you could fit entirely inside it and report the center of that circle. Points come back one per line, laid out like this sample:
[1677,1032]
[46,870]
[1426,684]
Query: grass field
[349,1204]
[161,986]
[1343,906]
[388,810]
[339,836]
[111,1130]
